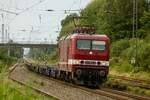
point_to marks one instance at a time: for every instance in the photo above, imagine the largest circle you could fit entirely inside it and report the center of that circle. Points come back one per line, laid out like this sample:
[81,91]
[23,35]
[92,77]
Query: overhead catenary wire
[17,14]
[70,8]
[7,15]
[32,6]
[7,11]
[41,1]
[25,10]
[80,5]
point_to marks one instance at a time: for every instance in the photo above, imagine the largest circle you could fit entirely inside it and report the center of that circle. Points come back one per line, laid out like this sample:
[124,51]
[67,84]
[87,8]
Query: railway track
[111,94]
[51,87]
[130,79]
[114,94]
[34,88]
[133,82]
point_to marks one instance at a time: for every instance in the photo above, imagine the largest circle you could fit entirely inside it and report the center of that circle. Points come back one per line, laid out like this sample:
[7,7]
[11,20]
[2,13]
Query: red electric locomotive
[84,58]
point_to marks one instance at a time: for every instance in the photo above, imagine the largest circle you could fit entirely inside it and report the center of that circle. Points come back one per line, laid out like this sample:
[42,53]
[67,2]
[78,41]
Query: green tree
[145,25]
[67,24]
[68,19]
[113,17]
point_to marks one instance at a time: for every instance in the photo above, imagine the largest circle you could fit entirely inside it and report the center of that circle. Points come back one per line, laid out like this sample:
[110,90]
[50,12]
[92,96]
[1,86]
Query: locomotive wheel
[62,75]
[67,77]
[58,75]
[78,82]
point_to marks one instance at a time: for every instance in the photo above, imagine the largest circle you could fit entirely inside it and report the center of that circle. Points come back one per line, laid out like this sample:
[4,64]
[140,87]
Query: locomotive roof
[88,36]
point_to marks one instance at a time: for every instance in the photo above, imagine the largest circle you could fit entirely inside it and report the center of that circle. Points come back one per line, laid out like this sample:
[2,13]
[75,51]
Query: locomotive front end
[90,59]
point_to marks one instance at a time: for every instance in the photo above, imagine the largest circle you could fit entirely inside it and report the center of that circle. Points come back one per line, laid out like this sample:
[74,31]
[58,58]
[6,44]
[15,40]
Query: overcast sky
[34,23]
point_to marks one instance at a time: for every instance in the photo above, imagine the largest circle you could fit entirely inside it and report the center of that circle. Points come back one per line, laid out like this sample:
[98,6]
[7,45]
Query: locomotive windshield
[84,44]
[98,45]
[91,45]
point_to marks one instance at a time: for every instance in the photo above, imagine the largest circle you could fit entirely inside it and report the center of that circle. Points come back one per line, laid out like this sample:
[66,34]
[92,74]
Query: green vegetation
[7,62]
[53,57]
[122,54]
[112,17]
[45,56]
[10,90]
[126,86]
[129,55]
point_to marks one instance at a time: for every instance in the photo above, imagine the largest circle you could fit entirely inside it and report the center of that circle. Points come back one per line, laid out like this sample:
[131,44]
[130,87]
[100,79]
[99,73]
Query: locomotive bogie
[90,75]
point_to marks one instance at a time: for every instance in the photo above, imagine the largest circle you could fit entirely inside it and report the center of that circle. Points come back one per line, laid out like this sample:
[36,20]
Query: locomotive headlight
[105,63]
[73,61]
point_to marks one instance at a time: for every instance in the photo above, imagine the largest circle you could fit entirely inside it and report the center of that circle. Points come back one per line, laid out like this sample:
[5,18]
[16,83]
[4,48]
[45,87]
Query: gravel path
[51,87]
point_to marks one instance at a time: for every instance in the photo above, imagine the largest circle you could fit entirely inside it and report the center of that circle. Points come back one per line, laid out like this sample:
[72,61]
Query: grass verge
[10,90]
[123,68]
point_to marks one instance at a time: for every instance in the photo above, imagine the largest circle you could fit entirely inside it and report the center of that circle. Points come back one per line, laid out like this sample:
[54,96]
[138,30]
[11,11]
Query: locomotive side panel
[63,54]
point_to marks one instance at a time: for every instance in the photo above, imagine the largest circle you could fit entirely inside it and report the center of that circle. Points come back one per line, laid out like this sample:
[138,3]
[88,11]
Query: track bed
[50,87]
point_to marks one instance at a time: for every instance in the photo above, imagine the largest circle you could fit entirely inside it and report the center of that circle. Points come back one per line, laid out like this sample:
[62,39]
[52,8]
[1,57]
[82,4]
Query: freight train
[83,58]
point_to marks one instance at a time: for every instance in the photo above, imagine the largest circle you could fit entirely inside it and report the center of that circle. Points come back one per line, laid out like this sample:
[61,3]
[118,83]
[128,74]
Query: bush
[118,47]
[147,39]
[126,50]
[122,67]
[53,58]
[141,53]
[143,56]
[129,53]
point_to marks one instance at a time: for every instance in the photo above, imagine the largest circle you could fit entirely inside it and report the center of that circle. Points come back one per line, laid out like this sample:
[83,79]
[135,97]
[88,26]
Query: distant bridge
[28,44]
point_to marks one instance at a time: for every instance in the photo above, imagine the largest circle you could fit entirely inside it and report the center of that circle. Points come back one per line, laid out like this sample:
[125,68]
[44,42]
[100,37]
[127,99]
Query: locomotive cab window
[84,44]
[98,45]
[91,45]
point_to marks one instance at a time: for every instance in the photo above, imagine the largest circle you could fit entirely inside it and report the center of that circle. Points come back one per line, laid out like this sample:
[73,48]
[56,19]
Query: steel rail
[114,94]
[34,88]
[130,79]
[107,92]
[133,82]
